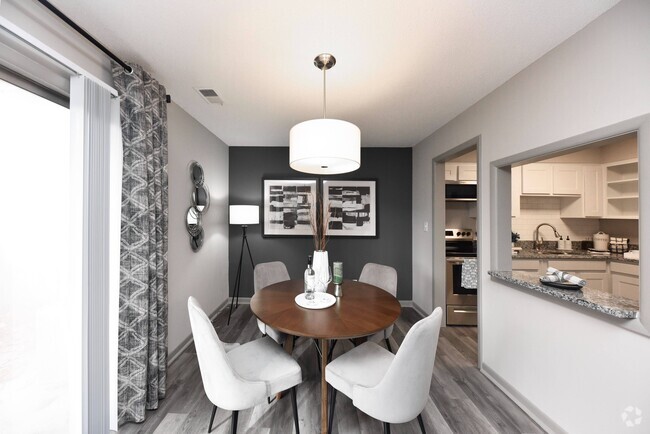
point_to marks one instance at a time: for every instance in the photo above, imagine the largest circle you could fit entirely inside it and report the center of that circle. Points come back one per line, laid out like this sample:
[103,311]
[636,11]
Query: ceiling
[401,72]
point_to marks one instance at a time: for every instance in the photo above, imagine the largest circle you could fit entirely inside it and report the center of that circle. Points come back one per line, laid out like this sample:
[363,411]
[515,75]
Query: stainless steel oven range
[460,301]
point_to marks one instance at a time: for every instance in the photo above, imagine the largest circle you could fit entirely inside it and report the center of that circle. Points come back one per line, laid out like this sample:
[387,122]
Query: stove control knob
[458,234]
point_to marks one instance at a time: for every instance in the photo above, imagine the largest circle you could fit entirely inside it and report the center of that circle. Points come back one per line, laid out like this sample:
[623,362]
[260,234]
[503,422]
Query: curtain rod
[89,37]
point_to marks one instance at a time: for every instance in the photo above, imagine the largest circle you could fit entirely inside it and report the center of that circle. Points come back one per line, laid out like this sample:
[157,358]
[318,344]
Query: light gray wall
[578,369]
[203,274]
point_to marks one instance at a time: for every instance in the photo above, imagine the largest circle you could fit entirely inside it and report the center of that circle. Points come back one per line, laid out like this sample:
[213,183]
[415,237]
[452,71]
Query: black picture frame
[355,212]
[293,220]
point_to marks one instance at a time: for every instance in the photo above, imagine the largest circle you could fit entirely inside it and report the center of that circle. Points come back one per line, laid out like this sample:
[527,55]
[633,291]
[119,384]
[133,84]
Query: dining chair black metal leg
[294,406]
[388,345]
[421,424]
[318,355]
[332,405]
[233,423]
[386,428]
[214,411]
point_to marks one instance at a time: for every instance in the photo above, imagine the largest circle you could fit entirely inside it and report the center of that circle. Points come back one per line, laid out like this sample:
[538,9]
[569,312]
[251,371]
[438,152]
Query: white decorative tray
[321,300]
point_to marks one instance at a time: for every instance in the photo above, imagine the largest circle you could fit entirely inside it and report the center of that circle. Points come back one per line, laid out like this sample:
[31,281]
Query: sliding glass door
[40,285]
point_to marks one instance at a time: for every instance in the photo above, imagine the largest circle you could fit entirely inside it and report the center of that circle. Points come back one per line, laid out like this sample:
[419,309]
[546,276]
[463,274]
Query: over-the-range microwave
[460,191]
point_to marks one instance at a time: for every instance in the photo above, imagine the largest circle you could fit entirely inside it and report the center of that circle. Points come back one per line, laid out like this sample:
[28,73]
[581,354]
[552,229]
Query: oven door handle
[465,310]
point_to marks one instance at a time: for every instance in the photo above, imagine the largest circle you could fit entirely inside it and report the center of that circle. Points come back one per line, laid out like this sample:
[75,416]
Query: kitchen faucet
[538,243]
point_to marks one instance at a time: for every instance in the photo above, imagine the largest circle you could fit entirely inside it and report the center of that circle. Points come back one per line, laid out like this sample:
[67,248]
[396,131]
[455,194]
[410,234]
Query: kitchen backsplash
[536,210]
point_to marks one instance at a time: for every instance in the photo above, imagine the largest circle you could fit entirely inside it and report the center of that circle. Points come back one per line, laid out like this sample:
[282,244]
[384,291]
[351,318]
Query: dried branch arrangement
[319,223]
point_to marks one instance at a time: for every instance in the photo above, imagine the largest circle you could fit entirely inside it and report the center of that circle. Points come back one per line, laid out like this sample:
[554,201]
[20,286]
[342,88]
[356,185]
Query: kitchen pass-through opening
[577,212]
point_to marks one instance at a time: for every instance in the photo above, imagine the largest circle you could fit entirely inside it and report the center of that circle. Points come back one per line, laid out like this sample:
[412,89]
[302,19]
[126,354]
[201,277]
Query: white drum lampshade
[244,214]
[325,147]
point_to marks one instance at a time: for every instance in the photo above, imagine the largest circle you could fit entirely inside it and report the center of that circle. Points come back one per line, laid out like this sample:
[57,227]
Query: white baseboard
[242,300]
[414,305]
[188,340]
[541,418]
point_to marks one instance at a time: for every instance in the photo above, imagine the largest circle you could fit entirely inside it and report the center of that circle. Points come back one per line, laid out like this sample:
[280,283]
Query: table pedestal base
[324,349]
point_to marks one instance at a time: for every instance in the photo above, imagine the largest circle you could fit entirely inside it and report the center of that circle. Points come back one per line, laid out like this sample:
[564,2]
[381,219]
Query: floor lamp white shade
[325,147]
[244,214]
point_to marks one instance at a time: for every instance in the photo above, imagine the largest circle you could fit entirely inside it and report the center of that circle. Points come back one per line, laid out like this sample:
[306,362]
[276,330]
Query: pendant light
[325,146]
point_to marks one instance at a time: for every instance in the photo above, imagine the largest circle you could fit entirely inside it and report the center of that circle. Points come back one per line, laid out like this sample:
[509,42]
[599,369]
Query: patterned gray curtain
[142,339]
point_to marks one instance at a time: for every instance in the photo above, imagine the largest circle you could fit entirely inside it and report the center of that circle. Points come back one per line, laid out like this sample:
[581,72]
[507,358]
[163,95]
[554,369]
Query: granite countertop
[599,301]
[572,254]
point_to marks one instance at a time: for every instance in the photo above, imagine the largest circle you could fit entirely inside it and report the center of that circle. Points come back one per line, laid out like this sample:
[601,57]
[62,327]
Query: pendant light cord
[324,91]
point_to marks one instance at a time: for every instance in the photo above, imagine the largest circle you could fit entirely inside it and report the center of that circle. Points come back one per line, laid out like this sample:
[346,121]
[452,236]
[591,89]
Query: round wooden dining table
[363,310]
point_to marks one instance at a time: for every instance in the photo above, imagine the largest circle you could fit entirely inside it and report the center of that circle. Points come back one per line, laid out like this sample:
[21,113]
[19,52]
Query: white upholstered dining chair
[236,377]
[266,274]
[384,277]
[392,388]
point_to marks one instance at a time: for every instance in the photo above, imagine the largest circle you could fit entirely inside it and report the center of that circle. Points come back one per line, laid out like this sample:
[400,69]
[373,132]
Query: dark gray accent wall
[390,167]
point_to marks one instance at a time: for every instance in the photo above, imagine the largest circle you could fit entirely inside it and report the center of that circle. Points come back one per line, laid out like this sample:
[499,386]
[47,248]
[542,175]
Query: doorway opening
[461,269]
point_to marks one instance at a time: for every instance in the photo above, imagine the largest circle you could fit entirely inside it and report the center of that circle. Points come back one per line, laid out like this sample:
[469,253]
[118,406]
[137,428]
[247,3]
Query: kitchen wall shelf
[622,189]
[624,181]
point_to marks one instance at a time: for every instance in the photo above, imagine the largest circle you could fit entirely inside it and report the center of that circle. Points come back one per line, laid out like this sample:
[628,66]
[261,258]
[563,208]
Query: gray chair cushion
[263,360]
[237,377]
[269,273]
[266,274]
[384,277]
[365,365]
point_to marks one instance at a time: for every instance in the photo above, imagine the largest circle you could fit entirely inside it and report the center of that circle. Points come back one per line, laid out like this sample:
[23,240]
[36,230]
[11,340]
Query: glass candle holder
[337,272]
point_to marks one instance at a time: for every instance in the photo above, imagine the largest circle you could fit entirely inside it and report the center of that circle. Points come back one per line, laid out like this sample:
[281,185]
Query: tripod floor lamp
[243,215]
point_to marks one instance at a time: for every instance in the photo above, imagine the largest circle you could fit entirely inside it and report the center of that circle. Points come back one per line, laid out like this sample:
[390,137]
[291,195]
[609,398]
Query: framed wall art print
[288,206]
[350,208]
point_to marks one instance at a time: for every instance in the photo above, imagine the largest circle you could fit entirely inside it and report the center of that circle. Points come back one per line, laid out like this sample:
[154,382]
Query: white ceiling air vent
[210,95]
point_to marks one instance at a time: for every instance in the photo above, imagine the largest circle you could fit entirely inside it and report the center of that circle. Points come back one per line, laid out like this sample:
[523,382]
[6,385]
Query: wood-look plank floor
[462,400]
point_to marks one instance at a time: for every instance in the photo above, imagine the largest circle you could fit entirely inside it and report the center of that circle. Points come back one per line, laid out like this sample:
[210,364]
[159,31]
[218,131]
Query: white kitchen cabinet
[589,204]
[619,278]
[593,191]
[586,190]
[460,172]
[625,286]
[567,179]
[595,280]
[537,179]
[594,272]
[625,280]
[561,179]
[451,172]
[467,172]
[530,265]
